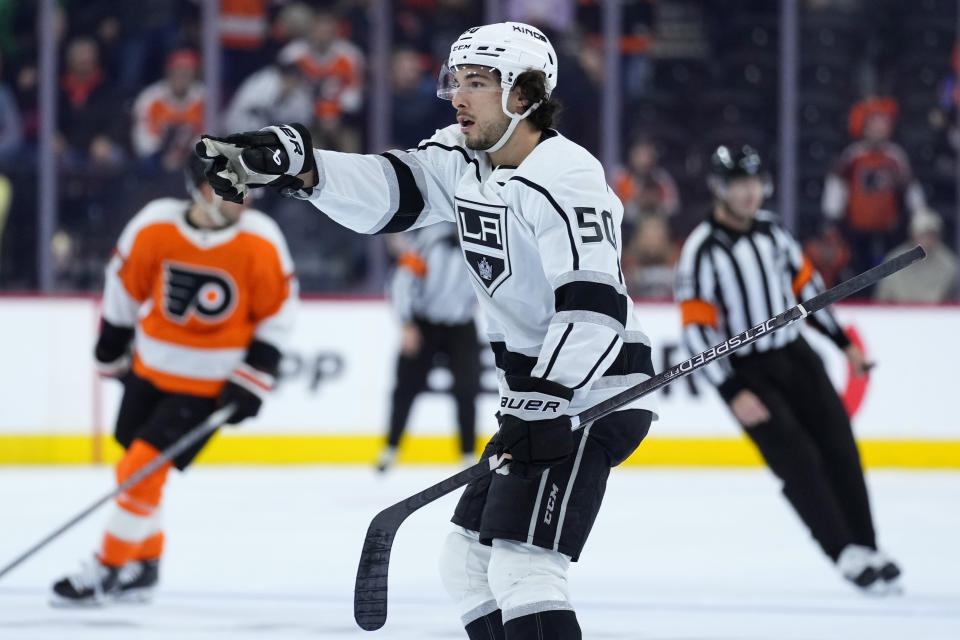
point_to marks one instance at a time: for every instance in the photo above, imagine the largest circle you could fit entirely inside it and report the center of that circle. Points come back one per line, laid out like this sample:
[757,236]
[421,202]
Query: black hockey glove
[534,425]
[247,403]
[251,381]
[273,156]
[112,353]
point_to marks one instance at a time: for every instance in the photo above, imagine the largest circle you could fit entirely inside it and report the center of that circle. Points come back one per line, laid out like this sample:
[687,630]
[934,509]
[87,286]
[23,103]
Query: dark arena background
[851,104]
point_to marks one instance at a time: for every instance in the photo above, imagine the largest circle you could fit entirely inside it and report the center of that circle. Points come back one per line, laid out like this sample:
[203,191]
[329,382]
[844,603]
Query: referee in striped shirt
[738,268]
[432,294]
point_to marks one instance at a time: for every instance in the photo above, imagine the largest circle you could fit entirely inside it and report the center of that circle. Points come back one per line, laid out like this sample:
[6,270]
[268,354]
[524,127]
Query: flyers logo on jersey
[483,237]
[210,295]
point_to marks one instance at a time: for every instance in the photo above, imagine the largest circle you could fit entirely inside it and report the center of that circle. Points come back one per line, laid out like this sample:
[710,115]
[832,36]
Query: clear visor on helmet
[468,77]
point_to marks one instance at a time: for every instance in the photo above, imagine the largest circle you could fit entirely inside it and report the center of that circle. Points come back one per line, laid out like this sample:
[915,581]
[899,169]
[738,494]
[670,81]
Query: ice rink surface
[256,552]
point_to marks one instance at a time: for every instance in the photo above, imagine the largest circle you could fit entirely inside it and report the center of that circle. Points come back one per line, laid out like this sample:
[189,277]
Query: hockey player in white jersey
[540,233]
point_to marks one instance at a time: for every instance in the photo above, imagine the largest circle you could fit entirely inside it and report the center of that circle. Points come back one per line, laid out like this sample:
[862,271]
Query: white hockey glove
[273,156]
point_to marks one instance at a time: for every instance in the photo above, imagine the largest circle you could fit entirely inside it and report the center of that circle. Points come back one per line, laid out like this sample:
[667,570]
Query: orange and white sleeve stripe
[804,275]
[700,312]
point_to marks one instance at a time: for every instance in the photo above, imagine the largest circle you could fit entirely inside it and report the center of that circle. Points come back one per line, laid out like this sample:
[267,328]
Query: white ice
[675,555]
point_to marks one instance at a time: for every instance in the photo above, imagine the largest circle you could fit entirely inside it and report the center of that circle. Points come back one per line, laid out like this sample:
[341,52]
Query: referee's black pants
[808,443]
[459,349]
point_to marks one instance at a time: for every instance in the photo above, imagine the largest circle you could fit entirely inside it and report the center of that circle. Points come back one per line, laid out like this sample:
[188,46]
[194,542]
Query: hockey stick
[370,591]
[214,421]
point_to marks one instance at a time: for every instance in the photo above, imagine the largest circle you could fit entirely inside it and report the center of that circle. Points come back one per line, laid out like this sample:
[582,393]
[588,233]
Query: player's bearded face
[479,112]
[486,133]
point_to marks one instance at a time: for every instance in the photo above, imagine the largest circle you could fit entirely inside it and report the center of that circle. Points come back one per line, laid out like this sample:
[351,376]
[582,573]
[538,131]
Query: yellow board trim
[363,449]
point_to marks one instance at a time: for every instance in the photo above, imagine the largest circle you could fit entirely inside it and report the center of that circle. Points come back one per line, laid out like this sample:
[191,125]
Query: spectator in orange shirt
[335,67]
[168,115]
[866,186]
[243,34]
[649,259]
[644,187]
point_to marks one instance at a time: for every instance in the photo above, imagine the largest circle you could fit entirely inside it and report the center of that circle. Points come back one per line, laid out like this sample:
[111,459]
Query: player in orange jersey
[199,298]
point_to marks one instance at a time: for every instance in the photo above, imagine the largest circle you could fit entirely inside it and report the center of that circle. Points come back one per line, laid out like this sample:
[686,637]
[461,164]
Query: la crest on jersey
[483,236]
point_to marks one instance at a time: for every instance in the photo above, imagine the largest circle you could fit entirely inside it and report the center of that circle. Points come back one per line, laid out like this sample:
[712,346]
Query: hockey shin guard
[132,523]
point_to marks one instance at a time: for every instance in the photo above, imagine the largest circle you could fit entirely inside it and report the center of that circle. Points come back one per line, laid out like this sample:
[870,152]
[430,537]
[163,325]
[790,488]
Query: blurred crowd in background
[879,86]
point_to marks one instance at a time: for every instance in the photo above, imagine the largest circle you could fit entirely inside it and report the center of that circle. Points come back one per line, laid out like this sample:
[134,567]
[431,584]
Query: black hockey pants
[459,349]
[808,443]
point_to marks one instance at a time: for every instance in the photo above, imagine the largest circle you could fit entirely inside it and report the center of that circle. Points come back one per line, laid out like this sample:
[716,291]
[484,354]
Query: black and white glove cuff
[293,159]
[115,368]
[534,398]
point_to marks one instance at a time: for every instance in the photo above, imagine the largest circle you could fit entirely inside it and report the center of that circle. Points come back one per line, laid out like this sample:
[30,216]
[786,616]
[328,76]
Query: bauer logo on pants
[208,294]
[483,236]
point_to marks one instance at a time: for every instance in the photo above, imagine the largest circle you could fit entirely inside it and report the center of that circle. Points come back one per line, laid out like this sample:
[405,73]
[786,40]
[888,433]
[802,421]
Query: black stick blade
[370,590]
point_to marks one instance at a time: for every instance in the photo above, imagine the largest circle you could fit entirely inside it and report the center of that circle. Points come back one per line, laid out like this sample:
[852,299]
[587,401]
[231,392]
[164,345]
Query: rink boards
[332,401]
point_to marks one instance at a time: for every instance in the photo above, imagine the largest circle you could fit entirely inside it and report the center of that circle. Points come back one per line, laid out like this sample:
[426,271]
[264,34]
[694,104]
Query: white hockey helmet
[509,47]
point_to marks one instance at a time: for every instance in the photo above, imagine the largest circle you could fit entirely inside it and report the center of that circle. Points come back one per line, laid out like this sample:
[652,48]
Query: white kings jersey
[541,242]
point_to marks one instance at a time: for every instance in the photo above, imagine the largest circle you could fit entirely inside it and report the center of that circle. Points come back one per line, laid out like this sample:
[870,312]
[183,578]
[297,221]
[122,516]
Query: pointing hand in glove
[278,156]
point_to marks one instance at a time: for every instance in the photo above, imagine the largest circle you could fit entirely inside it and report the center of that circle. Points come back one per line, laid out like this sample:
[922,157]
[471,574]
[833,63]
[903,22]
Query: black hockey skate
[856,564]
[889,572]
[137,581]
[97,584]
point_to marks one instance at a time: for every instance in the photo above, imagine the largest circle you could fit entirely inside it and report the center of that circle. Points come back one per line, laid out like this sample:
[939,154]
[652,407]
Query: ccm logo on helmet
[530,32]
[208,294]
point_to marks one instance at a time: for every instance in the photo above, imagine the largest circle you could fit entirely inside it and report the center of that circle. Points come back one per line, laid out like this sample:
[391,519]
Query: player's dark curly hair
[532,86]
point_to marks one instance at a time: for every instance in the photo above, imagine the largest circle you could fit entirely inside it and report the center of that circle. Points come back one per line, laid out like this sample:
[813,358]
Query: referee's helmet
[730,162]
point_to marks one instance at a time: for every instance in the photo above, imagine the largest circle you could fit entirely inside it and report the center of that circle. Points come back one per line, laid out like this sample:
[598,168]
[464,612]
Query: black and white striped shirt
[728,281]
[431,282]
